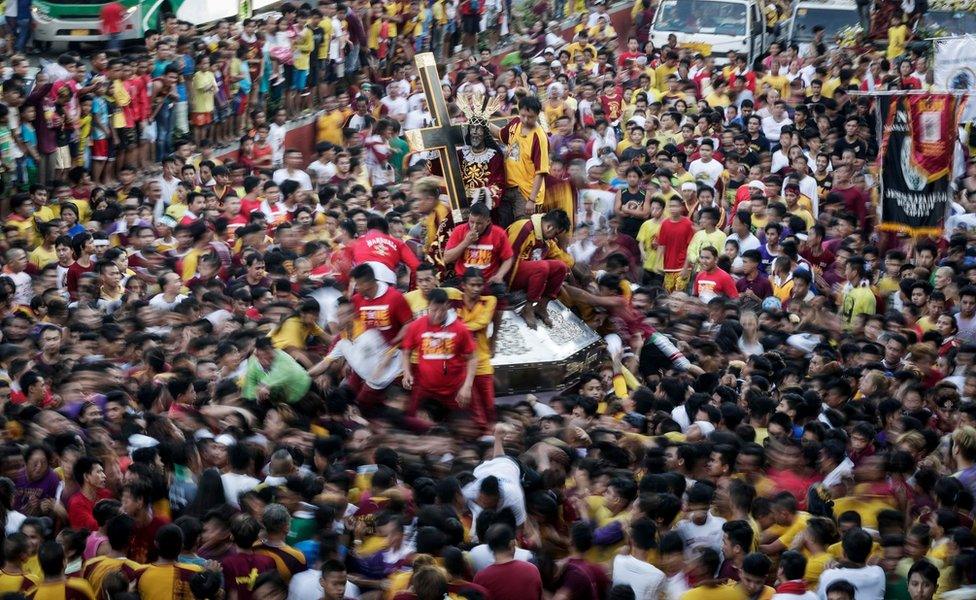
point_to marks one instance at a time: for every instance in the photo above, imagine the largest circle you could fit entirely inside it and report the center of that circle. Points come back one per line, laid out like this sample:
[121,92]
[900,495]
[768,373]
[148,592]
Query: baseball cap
[688,186]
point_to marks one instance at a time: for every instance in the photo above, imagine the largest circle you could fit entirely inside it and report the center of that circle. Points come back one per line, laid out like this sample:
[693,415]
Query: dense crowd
[261,372]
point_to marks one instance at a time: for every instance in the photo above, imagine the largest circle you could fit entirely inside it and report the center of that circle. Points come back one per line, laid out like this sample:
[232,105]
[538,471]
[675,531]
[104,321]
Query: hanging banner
[954,67]
[916,160]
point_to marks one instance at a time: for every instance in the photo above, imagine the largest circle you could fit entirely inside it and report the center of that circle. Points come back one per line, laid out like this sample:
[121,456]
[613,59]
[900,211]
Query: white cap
[226,439]
[688,186]
[555,64]
[756,184]
[203,434]
[549,49]
[539,60]
[138,441]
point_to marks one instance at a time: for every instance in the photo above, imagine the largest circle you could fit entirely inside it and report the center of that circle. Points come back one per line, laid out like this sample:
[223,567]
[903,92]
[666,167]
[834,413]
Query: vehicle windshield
[953,22]
[712,17]
[833,20]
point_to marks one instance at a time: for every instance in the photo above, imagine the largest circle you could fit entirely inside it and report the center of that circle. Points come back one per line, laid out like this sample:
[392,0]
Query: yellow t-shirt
[528,155]
[202,99]
[292,333]
[418,303]
[20,582]
[815,566]
[167,582]
[304,44]
[703,239]
[477,319]
[97,568]
[897,40]
[661,74]
[718,592]
[329,126]
[72,588]
[799,524]
[40,257]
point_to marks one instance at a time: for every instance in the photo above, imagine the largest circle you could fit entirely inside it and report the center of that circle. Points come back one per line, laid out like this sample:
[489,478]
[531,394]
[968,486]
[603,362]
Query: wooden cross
[444,137]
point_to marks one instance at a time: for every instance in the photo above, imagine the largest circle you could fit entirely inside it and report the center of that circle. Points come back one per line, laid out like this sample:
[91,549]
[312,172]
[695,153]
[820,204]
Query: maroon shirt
[514,580]
[142,549]
[584,580]
[241,570]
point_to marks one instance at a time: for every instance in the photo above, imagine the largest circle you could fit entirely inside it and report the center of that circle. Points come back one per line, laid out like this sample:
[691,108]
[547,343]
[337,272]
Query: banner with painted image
[954,67]
[917,146]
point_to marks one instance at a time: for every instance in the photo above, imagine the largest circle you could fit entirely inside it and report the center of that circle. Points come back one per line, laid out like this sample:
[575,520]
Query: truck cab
[712,27]
[832,15]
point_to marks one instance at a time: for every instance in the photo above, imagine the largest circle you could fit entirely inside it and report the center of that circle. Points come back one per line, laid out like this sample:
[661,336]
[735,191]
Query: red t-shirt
[377,246]
[388,312]
[718,282]
[80,509]
[75,271]
[675,237]
[487,254]
[514,580]
[240,571]
[442,353]
[248,206]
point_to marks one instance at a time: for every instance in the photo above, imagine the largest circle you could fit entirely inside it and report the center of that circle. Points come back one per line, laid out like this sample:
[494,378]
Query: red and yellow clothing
[17,582]
[528,155]
[560,194]
[287,560]
[98,567]
[487,254]
[166,581]
[477,318]
[241,570]
[72,588]
[529,244]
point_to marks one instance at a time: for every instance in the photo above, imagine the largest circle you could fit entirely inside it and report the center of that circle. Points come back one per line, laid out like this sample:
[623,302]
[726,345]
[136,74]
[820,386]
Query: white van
[712,27]
[833,16]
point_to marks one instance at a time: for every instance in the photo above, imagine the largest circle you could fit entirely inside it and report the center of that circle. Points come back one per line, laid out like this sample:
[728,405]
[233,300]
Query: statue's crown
[478,108]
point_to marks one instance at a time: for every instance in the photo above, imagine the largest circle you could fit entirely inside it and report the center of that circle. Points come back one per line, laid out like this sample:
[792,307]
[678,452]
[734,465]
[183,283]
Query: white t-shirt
[304,181]
[396,108]
[771,127]
[509,482]
[159,302]
[482,557]
[644,578]
[751,242]
[236,484]
[709,534]
[307,585]
[276,139]
[808,595]
[706,172]
[868,581]
[322,172]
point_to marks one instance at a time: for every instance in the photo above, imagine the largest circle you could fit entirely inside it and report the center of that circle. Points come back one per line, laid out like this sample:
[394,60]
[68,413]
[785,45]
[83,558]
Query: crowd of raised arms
[240,364]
